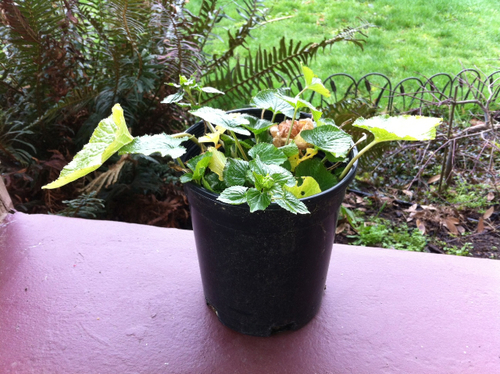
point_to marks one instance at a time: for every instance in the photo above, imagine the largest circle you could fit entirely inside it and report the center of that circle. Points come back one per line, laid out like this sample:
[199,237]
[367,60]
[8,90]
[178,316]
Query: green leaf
[263,182]
[308,75]
[174,98]
[290,149]
[329,139]
[301,103]
[212,90]
[212,182]
[234,195]
[286,200]
[257,125]
[257,200]
[386,128]
[110,135]
[220,118]
[279,174]
[313,83]
[164,144]
[268,154]
[186,177]
[315,168]
[199,164]
[309,187]
[270,100]
[318,87]
[235,172]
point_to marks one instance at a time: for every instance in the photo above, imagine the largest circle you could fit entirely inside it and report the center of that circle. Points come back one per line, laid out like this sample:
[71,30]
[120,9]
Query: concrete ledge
[81,296]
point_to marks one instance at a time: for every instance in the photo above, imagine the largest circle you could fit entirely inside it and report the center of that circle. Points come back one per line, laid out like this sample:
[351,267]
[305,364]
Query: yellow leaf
[212,137]
[295,160]
[217,162]
[309,187]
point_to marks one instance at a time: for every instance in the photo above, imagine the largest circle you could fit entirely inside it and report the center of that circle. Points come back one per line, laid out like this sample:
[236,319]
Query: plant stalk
[291,126]
[238,145]
[360,153]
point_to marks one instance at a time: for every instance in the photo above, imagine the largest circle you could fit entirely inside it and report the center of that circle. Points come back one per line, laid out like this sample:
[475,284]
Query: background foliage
[65,63]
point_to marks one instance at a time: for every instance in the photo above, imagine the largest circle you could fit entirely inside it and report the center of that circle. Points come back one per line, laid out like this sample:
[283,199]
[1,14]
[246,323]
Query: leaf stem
[185,135]
[355,158]
[291,126]
[237,142]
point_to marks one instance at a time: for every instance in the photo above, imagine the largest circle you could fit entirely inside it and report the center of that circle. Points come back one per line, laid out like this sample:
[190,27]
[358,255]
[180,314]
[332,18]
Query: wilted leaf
[408,193]
[421,226]
[480,225]
[488,213]
[217,162]
[434,179]
[110,135]
[387,128]
[412,209]
[340,228]
[450,225]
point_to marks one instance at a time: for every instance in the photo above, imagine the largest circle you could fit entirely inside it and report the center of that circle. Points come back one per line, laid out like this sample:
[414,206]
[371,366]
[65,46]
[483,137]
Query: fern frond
[242,78]
[204,23]
[254,13]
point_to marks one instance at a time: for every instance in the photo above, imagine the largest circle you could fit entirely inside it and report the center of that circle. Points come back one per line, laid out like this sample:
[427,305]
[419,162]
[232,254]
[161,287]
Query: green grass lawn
[412,37]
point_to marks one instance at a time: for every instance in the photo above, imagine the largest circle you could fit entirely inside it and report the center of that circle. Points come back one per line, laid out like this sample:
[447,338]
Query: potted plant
[264,193]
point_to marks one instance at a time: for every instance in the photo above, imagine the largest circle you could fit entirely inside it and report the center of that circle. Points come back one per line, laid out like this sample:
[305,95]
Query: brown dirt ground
[442,223]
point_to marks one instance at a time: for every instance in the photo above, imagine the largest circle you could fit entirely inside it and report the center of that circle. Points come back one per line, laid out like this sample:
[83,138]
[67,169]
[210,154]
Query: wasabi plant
[252,160]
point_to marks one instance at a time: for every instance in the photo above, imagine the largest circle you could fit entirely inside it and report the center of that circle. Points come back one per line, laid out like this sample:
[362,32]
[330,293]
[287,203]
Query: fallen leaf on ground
[434,179]
[450,225]
[412,209]
[488,213]
[476,122]
[421,226]
[480,225]
[408,193]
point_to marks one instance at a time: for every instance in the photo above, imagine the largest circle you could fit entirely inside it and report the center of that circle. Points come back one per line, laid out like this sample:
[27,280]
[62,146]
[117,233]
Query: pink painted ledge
[82,296]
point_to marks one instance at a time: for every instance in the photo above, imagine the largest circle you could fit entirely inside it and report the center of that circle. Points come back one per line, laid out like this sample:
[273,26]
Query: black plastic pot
[263,272]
